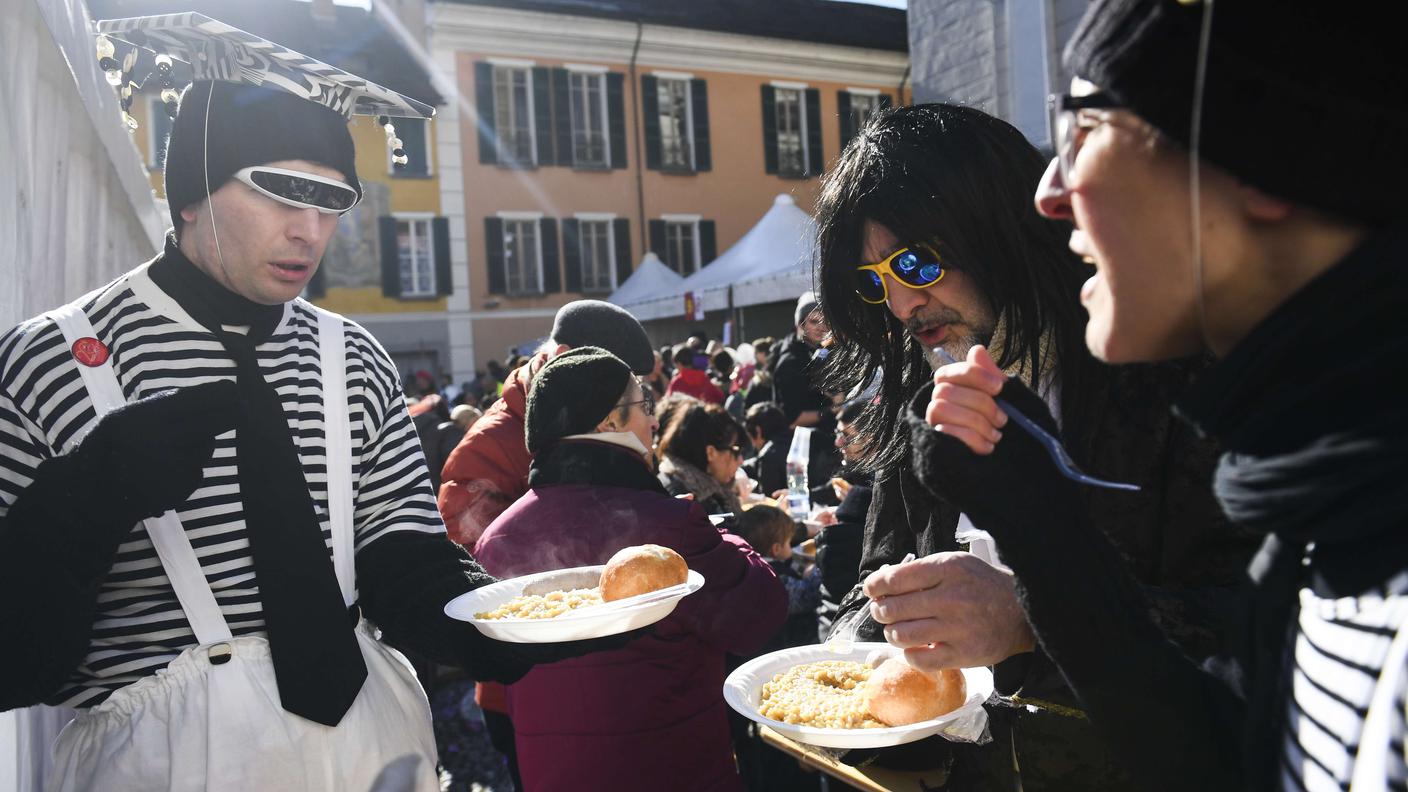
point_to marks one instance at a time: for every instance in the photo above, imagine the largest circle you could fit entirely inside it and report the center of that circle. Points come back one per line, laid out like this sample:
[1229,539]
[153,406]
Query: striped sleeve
[22,444]
[393,486]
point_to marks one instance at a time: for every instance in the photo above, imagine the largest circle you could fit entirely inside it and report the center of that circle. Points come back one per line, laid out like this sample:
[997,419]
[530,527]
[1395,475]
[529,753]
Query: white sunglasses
[300,189]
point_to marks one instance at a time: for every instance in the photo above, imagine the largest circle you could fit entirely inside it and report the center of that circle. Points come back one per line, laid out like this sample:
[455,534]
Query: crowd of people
[1196,298]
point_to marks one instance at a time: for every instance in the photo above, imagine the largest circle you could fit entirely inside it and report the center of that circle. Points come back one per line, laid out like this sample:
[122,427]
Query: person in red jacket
[692,376]
[488,470]
[651,716]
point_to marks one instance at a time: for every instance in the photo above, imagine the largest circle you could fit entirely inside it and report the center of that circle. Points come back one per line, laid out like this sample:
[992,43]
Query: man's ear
[188,214]
[1262,207]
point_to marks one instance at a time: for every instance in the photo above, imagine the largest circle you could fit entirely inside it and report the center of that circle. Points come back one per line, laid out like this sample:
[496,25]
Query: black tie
[317,662]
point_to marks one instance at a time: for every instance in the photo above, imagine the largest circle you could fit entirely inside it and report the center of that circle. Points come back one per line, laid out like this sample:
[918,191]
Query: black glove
[540,654]
[137,462]
[1015,488]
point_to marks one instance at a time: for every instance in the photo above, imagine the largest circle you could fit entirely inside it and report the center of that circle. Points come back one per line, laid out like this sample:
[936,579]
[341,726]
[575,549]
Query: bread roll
[639,569]
[898,694]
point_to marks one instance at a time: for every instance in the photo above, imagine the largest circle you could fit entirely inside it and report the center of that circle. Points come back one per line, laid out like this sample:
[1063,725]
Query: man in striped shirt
[1234,173]
[173,567]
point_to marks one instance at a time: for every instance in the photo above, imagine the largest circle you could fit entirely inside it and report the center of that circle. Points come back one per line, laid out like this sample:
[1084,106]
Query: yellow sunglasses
[917,267]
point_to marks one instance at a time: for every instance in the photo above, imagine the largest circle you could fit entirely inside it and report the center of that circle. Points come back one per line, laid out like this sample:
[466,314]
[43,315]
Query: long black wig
[961,182]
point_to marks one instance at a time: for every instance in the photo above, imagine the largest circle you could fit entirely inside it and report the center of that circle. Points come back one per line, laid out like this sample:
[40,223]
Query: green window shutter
[843,112]
[571,255]
[769,129]
[650,112]
[708,250]
[542,115]
[390,257]
[413,134]
[562,116]
[625,264]
[440,239]
[657,239]
[494,254]
[484,103]
[815,160]
[552,271]
[699,106]
[616,117]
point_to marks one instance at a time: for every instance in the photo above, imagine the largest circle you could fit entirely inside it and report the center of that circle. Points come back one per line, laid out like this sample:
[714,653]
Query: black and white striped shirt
[155,345]
[1339,652]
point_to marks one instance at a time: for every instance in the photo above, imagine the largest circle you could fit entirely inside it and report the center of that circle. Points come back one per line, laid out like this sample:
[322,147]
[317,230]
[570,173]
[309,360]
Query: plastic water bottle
[799,500]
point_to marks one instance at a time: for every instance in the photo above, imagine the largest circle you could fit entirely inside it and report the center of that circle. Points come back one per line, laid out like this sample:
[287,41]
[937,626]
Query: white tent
[772,262]
[651,278]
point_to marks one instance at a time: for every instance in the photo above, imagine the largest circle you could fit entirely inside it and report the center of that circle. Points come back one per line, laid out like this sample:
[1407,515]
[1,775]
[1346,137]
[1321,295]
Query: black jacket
[838,550]
[1171,535]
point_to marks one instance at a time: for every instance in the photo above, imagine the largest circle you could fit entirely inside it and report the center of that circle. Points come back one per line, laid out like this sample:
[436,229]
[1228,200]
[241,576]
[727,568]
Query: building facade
[582,134]
[1001,56]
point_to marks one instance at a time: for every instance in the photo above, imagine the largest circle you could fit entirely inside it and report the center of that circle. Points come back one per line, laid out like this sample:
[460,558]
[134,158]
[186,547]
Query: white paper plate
[592,622]
[744,687]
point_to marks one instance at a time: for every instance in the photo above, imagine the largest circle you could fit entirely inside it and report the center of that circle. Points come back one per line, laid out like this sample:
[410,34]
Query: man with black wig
[928,239]
[208,482]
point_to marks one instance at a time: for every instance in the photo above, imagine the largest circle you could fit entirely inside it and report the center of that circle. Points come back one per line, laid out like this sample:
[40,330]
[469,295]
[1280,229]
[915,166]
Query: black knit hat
[572,393]
[248,125]
[597,323]
[1305,101]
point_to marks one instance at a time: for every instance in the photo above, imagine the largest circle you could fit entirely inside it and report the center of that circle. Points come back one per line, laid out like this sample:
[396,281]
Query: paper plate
[591,622]
[744,687]
[806,550]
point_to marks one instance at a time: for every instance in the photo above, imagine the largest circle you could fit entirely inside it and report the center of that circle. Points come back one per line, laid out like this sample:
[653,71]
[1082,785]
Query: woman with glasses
[700,452]
[652,716]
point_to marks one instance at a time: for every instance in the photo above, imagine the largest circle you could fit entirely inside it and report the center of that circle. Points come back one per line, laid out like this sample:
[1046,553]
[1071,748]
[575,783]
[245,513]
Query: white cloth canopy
[651,278]
[771,263]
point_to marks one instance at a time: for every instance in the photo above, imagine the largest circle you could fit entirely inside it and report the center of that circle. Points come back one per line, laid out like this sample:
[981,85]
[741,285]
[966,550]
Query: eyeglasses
[647,402]
[301,190]
[916,267]
[1066,124]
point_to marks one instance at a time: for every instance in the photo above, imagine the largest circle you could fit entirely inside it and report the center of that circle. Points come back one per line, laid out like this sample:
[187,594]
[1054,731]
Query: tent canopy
[772,262]
[651,277]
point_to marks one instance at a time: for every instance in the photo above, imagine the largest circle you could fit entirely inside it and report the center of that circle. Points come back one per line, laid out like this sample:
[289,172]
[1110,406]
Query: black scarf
[317,662]
[1307,408]
[595,463]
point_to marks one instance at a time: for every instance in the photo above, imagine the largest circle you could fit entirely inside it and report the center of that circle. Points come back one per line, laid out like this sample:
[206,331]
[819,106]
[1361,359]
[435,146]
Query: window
[523,272]
[160,125]
[676,146]
[587,93]
[791,133]
[415,139]
[513,114]
[598,256]
[415,253]
[863,106]
[682,246]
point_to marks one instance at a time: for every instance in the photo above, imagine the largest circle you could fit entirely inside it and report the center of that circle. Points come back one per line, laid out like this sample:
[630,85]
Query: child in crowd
[770,530]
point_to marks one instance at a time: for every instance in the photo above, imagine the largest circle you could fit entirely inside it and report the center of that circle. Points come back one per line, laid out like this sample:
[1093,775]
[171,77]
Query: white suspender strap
[168,536]
[332,349]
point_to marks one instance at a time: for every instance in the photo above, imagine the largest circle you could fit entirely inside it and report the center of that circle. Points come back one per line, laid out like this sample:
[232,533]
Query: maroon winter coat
[650,716]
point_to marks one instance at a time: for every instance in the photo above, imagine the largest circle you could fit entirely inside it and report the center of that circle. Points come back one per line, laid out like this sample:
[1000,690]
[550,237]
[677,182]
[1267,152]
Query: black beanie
[1305,101]
[249,125]
[572,393]
[597,323]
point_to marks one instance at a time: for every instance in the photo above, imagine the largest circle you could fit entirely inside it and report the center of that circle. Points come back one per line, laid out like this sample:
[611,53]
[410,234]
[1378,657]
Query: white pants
[198,726]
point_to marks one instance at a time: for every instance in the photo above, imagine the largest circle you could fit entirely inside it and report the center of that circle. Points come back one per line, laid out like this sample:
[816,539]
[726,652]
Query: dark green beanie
[572,393]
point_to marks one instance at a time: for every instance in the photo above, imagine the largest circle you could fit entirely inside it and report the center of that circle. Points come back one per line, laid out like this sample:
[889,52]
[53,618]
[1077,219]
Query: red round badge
[90,351]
